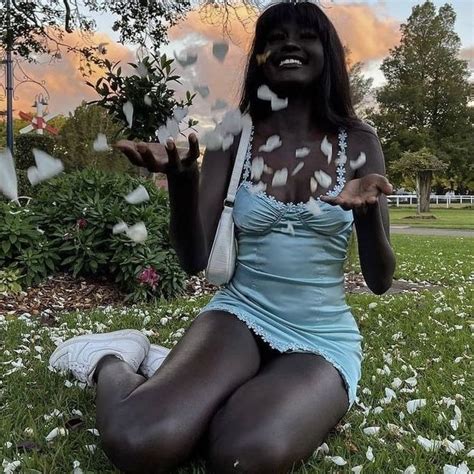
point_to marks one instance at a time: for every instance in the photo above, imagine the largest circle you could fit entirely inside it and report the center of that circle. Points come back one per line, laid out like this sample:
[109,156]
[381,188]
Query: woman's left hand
[361,192]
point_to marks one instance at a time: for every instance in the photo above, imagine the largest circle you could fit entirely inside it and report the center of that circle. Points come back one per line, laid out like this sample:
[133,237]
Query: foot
[155,357]
[81,354]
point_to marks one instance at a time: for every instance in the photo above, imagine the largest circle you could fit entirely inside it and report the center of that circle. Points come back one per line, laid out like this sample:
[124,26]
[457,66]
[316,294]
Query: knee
[251,455]
[156,448]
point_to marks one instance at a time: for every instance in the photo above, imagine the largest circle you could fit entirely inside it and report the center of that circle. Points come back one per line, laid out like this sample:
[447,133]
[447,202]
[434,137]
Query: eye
[309,34]
[277,36]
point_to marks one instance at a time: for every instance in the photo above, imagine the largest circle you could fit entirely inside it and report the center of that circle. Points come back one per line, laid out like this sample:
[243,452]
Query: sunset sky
[369,28]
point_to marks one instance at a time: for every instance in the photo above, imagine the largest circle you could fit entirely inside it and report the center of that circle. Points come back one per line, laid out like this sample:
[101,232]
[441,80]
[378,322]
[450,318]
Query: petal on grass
[338,460]
[413,405]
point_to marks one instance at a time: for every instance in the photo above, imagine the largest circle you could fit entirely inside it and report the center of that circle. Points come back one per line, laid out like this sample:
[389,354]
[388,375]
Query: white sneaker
[81,354]
[155,357]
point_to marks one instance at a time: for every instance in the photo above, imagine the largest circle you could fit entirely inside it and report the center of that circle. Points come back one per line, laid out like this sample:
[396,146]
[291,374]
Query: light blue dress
[288,285]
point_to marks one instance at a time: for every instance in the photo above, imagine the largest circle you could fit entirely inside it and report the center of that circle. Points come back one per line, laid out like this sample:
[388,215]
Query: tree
[360,85]
[42,27]
[421,165]
[425,100]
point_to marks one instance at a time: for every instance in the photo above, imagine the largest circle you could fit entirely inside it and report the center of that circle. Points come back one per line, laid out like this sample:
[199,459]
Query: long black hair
[332,104]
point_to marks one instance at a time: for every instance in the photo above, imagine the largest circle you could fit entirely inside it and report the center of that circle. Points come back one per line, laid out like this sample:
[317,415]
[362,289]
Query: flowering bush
[77,212]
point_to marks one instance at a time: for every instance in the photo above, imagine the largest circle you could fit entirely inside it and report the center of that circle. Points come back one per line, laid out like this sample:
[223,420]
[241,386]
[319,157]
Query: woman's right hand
[158,158]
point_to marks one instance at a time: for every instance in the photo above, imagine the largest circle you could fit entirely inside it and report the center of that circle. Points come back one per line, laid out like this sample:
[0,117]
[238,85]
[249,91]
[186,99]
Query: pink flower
[149,276]
[81,223]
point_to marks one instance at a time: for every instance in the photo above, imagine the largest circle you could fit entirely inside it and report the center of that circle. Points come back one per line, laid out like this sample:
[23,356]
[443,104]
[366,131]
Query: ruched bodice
[288,284]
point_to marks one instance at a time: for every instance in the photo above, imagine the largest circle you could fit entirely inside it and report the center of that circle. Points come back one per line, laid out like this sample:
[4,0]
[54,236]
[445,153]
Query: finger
[384,185]
[372,200]
[173,157]
[148,158]
[128,148]
[194,152]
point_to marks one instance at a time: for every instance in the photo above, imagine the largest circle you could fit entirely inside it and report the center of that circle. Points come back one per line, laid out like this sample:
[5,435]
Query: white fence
[434,198]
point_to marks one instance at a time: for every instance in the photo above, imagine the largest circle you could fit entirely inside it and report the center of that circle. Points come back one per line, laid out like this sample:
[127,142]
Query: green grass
[427,333]
[462,218]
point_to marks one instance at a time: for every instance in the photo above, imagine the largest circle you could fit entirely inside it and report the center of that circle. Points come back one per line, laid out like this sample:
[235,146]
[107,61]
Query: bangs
[304,14]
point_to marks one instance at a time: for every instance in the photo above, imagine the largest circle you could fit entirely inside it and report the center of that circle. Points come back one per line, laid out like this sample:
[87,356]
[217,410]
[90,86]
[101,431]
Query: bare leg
[278,418]
[154,425]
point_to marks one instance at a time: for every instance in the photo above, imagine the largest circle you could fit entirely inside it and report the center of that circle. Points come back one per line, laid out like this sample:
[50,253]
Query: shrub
[23,246]
[24,145]
[78,211]
[9,281]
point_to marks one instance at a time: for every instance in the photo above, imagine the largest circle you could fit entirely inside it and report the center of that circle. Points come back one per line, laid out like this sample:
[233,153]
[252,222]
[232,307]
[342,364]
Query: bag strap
[239,160]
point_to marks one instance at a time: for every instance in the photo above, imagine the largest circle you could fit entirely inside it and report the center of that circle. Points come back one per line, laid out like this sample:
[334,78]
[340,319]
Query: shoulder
[363,131]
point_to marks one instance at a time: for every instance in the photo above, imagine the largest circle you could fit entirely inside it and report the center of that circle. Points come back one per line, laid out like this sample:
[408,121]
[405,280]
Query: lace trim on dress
[340,173]
[281,346]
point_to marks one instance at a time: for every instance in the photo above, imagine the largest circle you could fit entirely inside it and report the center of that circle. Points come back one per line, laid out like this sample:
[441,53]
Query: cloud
[63,79]
[468,55]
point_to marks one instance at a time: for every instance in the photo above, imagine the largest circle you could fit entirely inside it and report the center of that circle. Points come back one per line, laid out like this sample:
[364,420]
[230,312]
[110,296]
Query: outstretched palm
[361,192]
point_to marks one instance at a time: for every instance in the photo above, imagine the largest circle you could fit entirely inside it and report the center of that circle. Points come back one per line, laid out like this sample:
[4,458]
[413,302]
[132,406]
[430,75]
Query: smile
[290,62]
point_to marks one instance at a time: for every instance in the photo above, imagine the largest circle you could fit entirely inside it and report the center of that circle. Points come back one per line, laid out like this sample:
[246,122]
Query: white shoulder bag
[221,263]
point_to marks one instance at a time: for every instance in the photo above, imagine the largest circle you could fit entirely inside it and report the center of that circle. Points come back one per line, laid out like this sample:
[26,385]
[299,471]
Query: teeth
[290,61]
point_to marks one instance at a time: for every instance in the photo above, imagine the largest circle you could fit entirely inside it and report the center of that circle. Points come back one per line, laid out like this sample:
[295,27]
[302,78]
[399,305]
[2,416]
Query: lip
[290,56]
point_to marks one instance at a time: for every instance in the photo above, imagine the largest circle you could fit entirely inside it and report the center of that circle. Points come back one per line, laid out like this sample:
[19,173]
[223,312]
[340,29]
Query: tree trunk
[423,190]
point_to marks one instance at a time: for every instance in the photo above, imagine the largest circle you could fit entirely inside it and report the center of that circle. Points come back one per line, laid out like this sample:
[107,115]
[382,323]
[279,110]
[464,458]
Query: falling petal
[280,177]
[313,185]
[265,93]
[137,232]
[297,168]
[179,113]
[100,143]
[256,188]
[46,167]
[313,207]
[147,100]
[257,168]
[302,152]
[173,127]
[185,58]
[141,69]
[356,164]
[227,142]
[162,134]
[279,104]
[219,104]
[326,148]
[138,195]
[272,143]
[232,122]
[220,49]
[336,460]
[203,90]
[323,178]
[213,140]
[369,454]
[128,112]
[8,179]
[267,169]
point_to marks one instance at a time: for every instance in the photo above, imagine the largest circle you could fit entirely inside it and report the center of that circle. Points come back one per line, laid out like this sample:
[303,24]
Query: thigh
[279,417]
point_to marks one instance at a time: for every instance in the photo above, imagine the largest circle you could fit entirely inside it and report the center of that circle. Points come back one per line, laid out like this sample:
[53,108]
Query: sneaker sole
[124,334]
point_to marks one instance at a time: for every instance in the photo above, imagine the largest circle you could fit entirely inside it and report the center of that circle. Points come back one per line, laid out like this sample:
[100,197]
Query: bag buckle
[228,203]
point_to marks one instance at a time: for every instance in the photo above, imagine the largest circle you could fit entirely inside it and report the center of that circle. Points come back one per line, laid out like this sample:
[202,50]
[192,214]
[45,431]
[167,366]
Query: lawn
[461,218]
[416,344]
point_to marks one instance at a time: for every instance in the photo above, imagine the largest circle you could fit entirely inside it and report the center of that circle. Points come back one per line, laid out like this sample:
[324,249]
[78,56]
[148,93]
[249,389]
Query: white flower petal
[369,454]
[46,166]
[411,469]
[137,232]
[428,444]
[280,177]
[357,469]
[147,100]
[179,113]
[272,143]
[297,168]
[202,90]
[138,195]
[8,179]
[265,93]
[257,168]
[220,50]
[323,178]
[185,58]
[55,432]
[256,188]
[219,104]
[128,112]
[227,142]
[313,206]
[324,448]
[413,405]
[371,430]
[326,148]
[279,104]
[119,228]
[459,469]
[232,122]
[336,460]
[100,143]
[213,140]
[302,152]
[313,185]
[359,162]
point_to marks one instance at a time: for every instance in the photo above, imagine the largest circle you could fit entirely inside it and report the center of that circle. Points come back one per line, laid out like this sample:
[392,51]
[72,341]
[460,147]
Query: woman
[271,364]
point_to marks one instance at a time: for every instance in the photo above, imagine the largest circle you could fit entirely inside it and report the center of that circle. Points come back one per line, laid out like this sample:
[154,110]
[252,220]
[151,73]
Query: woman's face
[294,56]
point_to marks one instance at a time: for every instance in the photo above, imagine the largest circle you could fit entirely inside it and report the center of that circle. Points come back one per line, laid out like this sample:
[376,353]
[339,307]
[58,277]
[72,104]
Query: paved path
[406,229]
